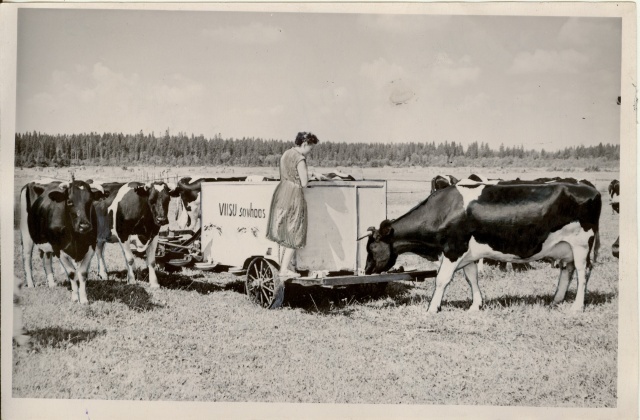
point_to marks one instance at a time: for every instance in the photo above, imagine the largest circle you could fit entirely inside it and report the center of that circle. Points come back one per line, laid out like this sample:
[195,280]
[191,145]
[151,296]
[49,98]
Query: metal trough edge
[370,278]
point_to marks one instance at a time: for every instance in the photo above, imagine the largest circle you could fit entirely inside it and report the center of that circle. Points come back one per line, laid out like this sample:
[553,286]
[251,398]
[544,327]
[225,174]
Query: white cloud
[454,72]
[123,101]
[253,33]
[178,89]
[546,61]
[403,24]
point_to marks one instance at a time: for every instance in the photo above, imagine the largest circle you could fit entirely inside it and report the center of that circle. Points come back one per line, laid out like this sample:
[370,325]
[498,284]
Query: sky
[539,82]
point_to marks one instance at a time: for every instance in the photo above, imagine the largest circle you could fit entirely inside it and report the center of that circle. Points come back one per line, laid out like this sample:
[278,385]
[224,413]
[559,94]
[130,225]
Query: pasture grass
[198,338]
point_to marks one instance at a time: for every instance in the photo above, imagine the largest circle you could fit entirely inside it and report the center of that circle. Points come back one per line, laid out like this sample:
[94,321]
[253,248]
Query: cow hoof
[474,309]
[74,297]
[155,286]
[576,309]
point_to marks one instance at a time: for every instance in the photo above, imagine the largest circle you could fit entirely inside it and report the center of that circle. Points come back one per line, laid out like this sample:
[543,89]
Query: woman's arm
[302,173]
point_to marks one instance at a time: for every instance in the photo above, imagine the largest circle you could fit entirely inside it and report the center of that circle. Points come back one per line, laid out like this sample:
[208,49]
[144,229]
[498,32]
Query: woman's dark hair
[308,137]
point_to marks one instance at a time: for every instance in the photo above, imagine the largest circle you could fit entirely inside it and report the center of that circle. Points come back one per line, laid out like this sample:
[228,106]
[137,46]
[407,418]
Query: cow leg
[471,274]
[82,275]
[563,282]
[102,265]
[580,255]
[69,268]
[480,265]
[130,259]
[445,274]
[27,256]
[47,261]
[151,262]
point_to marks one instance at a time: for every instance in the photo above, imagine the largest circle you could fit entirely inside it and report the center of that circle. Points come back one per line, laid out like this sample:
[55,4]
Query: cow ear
[58,195]
[38,189]
[142,191]
[98,195]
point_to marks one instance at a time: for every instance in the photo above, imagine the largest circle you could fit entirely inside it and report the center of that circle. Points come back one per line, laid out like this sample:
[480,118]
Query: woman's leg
[286,260]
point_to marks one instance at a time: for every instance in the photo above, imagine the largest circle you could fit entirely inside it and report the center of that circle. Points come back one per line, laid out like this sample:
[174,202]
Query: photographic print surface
[483,149]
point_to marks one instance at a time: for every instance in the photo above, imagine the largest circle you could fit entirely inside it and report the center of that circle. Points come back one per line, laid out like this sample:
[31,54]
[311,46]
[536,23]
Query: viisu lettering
[232,210]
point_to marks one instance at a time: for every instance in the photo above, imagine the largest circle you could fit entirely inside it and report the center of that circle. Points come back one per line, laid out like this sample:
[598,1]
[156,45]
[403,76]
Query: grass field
[198,338]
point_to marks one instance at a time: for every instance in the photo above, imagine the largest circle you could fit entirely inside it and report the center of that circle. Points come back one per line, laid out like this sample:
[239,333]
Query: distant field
[199,339]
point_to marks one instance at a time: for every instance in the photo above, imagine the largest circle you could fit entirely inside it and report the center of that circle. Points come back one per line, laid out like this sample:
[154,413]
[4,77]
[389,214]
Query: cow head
[189,210]
[614,188]
[78,197]
[380,254]
[188,192]
[158,195]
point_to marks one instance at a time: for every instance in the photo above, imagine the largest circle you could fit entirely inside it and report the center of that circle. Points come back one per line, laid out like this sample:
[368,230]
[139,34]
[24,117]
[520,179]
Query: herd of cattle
[461,223]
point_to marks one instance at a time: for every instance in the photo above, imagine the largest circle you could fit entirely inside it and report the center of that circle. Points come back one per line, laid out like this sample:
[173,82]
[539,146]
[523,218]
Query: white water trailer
[234,224]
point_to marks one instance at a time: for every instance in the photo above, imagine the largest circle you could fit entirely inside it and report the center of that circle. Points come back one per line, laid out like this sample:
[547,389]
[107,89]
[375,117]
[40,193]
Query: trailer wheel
[262,284]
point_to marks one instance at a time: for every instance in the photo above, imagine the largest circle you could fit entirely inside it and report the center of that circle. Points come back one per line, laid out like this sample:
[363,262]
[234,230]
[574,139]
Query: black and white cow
[440,182]
[28,195]
[59,219]
[132,215]
[516,223]
[614,195]
[187,215]
[189,203]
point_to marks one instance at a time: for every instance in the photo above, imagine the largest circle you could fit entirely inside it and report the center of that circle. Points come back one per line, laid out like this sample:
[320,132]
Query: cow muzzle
[84,227]
[162,220]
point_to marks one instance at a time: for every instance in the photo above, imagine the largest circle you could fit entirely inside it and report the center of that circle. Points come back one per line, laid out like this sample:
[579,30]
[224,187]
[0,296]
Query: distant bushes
[117,149]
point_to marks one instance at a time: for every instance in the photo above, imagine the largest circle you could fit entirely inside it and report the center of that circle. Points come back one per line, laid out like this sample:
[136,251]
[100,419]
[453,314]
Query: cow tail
[596,246]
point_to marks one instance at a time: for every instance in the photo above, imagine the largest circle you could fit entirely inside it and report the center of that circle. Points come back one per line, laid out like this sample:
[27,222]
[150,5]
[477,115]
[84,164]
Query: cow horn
[370,229]
[184,181]
[96,186]
[365,236]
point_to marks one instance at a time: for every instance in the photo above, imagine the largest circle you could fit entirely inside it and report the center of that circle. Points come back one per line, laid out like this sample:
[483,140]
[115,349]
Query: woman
[288,217]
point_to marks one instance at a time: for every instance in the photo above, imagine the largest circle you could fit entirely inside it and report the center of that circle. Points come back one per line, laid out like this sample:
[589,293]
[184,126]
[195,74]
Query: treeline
[38,149]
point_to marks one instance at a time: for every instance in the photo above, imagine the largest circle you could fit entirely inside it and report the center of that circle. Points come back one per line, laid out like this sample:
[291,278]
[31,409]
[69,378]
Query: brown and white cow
[132,212]
[515,223]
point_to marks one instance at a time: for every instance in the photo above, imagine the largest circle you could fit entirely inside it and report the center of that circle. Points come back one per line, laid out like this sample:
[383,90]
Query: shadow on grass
[132,295]
[399,294]
[177,281]
[591,299]
[326,301]
[56,337]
